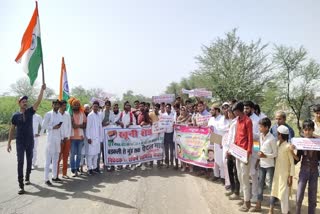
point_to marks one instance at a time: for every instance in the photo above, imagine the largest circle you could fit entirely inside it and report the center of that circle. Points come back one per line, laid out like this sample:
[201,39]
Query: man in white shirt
[254,173]
[94,135]
[52,123]
[267,154]
[66,133]
[127,118]
[168,138]
[36,122]
[115,114]
[219,125]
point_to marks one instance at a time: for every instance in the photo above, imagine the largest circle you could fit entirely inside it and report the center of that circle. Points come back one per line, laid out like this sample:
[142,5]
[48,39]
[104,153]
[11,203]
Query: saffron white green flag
[30,54]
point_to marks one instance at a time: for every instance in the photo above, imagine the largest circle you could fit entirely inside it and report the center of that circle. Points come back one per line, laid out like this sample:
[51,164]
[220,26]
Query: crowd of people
[77,138]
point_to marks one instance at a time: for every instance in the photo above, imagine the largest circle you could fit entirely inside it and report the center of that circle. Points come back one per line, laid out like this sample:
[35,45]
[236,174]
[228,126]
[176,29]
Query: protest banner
[157,128]
[193,146]
[166,120]
[166,98]
[131,146]
[202,120]
[239,153]
[306,143]
[198,92]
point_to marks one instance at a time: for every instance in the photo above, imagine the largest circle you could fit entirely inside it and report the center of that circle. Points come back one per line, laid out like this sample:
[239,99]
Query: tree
[174,88]
[232,68]
[131,97]
[81,93]
[297,79]
[50,93]
[22,87]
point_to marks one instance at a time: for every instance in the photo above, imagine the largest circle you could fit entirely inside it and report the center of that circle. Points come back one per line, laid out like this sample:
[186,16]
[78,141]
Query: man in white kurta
[52,123]
[220,126]
[94,135]
[36,122]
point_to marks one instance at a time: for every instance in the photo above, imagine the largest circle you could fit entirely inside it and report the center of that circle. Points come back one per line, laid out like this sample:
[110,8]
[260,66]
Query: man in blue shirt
[22,122]
[281,120]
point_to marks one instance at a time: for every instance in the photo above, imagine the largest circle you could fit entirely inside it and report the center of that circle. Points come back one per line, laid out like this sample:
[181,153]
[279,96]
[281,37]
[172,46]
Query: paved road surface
[151,191]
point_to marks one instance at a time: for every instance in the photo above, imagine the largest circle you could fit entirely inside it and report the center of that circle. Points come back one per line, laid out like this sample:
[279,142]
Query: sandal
[256,210]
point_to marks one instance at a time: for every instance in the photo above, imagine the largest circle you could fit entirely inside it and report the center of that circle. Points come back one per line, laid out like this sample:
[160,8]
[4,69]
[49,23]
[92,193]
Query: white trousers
[218,162]
[243,171]
[226,173]
[254,174]
[34,157]
[92,161]
[285,203]
[51,157]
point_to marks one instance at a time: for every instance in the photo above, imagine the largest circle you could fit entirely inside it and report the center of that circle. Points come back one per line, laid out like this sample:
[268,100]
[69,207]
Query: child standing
[268,152]
[308,171]
[284,170]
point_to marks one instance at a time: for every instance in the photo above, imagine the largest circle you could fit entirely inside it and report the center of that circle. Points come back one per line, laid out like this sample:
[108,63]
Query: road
[151,191]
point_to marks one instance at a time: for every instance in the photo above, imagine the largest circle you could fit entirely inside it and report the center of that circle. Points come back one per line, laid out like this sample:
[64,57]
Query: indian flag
[64,86]
[30,54]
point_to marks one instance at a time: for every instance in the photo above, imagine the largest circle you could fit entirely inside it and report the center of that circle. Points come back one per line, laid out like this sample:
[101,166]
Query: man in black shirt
[22,121]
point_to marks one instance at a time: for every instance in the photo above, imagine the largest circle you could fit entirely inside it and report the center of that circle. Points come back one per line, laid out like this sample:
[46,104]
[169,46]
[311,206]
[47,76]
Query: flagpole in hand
[42,65]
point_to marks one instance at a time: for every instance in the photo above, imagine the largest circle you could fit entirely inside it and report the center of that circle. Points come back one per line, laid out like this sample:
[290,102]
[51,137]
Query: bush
[4,131]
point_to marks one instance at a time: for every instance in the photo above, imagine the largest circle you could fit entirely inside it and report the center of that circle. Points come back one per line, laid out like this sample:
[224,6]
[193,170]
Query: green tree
[231,68]
[297,78]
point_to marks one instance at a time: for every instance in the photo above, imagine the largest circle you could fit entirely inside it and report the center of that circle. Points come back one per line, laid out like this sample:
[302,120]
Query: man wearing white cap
[284,170]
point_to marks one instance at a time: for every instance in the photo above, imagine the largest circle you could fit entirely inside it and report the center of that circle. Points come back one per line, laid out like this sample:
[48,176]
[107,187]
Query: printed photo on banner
[306,143]
[131,146]
[193,146]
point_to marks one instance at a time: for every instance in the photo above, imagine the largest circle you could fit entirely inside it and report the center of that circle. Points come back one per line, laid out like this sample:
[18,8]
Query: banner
[166,98]
[166,120]
[198,92]
[131,146]
[157,128]
[193,146]
[239,153]
[202,120]
[306,143]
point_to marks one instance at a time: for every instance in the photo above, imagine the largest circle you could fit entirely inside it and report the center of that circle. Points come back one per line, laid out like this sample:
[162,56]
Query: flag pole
[42,64]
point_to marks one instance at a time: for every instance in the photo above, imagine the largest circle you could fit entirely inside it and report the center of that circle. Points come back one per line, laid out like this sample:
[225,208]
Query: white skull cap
[283,129]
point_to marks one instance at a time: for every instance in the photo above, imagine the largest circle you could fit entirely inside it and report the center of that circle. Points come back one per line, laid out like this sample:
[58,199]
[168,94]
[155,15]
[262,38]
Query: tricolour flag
[64,85]
[30,54]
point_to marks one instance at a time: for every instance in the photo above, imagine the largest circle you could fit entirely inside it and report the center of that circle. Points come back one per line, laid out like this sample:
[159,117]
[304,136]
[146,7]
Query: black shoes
[56,180]
[21,191]
[48,183]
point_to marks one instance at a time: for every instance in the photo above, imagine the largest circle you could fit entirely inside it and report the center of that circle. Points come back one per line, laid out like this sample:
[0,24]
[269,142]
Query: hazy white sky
[144,45]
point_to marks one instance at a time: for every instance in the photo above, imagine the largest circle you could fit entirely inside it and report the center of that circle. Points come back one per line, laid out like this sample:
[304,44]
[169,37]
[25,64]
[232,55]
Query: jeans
[262,179]
[168,145]
[309,176]
[76,146]
[21,149]
[233,176]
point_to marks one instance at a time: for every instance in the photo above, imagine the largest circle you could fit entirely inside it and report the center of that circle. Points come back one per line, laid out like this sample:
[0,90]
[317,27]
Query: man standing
[66,133]
[243,139]
[78,121]
[22,120]
[213,124]
[254,165]
[281,118]
[52,123]
[94,135]
[168,138]
[36,122]
[127,118]
[115,114]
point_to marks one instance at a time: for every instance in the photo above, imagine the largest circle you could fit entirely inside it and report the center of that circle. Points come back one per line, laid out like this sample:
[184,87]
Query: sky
[143,45]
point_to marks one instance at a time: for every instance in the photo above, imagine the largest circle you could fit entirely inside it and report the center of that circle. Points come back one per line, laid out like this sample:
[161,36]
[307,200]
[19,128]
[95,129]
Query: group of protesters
[75,134]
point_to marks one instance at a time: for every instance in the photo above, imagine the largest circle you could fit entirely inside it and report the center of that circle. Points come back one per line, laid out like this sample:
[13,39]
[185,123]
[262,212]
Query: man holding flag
[31,55]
